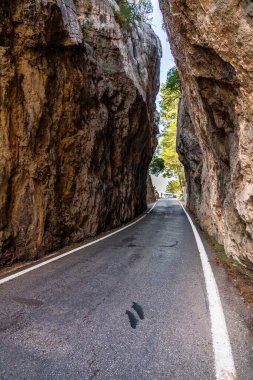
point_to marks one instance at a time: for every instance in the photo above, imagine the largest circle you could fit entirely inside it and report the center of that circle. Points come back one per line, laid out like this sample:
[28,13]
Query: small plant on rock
[86,25]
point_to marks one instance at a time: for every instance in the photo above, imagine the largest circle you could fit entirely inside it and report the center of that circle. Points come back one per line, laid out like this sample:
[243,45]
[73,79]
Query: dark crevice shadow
[138,310]
[132,319]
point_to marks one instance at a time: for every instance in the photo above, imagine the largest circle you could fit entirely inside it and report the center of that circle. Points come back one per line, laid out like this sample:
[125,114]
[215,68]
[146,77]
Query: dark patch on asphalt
[91,364]
[133,258]
[95,373]
[138,309]
[129,239]
[15,323]
[28,301]
[132,319]
[169,245]
[131,245]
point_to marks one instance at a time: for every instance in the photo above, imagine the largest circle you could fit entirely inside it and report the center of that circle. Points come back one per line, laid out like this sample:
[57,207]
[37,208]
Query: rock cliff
[212,42]
[77,131]
[151,194]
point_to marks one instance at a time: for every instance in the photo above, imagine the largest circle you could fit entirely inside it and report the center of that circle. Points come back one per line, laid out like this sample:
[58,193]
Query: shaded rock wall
[77,101]
[151,196]
[212,42]
[190,155]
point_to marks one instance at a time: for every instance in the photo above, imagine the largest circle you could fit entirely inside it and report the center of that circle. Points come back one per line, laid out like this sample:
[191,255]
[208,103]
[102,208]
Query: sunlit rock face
[77,131]
[212,42]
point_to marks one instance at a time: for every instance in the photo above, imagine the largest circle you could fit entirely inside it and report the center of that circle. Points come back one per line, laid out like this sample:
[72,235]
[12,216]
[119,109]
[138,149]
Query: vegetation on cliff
[129,12]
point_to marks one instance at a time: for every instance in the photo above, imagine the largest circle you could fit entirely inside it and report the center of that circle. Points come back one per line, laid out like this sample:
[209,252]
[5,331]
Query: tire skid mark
[169,245]
[139,310]
[132,319]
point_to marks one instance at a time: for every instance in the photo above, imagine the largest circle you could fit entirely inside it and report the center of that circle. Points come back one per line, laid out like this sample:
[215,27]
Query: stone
[77,130]
[213,48]
[151,192]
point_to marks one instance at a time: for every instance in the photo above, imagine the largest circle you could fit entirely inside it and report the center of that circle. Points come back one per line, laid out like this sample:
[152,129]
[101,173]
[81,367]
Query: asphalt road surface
[133,306]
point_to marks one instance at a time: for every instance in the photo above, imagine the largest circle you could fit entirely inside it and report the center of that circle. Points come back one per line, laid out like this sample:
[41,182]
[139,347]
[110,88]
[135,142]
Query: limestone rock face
[77,102]
[212,42]
[151,196]
[190,155]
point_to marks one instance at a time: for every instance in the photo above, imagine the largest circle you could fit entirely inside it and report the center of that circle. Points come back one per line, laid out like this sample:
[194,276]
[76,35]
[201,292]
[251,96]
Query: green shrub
[128,13]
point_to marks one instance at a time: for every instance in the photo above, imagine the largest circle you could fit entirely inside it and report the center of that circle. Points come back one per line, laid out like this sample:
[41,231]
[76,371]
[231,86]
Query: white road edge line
[224,362]
[36,266]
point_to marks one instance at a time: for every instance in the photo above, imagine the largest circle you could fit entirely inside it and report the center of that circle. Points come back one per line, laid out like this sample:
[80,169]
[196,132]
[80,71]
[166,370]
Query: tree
[131,11]
[156,166]
[170,93]
[173,83]
[173,187]
[145,9]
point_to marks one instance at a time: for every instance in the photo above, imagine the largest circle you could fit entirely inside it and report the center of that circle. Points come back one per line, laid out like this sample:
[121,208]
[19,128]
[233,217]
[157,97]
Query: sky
[167,59]
[167,63]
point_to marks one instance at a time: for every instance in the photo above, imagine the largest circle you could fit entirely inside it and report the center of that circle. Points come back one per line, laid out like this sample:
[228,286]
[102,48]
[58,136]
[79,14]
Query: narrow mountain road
[132,306]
